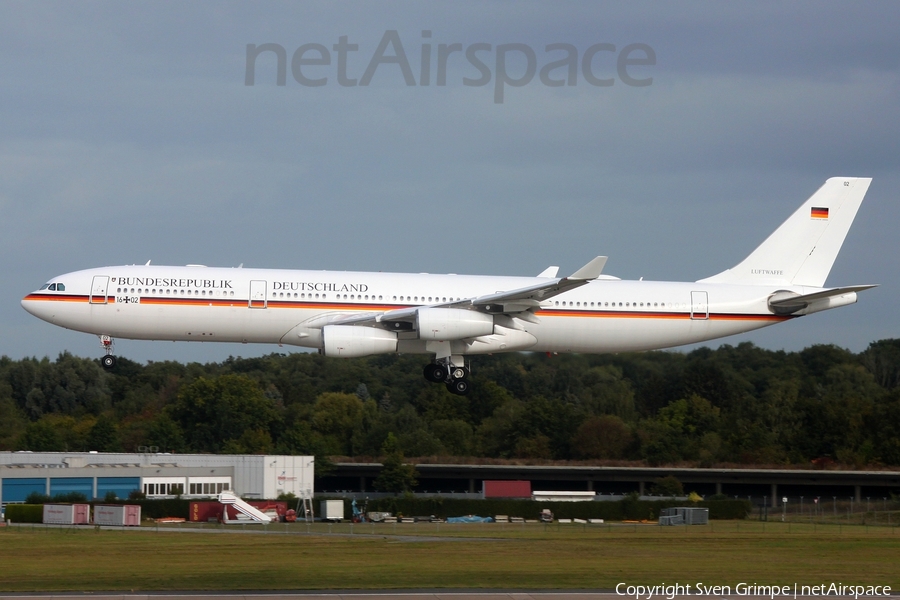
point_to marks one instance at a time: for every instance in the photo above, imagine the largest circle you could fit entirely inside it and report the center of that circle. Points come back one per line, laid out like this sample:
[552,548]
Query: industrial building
[95,475]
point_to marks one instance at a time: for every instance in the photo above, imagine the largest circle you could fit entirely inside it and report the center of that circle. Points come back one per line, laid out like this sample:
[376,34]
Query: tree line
[735,404]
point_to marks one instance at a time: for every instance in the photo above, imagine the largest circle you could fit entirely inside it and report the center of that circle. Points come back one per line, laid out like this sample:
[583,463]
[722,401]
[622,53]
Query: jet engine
[442,324]
[347,341]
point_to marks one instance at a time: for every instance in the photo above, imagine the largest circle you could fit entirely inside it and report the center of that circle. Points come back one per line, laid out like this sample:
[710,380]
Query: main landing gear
[454,377]
[108,361]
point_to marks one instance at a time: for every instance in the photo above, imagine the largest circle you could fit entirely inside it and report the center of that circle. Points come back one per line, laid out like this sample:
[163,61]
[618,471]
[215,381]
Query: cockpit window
[60,287]
[45,286]
[52,287]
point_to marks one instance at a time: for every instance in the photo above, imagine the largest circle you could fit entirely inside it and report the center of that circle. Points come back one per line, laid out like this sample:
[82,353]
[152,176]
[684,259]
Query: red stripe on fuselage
[333,306]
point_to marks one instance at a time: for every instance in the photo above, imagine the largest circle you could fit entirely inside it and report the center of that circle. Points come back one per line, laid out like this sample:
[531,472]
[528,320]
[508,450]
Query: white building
[157,475]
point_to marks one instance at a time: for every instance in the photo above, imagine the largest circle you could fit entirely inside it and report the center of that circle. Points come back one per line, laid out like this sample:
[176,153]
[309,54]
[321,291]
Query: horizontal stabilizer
[787,302]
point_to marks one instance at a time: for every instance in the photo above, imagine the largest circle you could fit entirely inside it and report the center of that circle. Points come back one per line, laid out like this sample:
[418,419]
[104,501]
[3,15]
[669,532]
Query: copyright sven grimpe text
[671,591]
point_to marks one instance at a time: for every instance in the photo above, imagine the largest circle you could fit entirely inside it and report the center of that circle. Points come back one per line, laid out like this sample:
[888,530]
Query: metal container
[67,514]
[506,489]
[117,514]
[331,510]
[684,515]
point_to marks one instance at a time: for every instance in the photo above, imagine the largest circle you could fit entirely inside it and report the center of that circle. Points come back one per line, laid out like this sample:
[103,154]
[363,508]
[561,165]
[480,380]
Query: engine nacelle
[442,324]
[347,341]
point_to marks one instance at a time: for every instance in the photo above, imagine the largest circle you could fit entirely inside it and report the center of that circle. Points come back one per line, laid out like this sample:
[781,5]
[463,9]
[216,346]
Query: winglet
[589,271]
[549,272]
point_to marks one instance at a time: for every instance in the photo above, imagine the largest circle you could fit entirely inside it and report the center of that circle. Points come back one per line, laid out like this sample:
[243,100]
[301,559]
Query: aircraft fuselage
[280,306]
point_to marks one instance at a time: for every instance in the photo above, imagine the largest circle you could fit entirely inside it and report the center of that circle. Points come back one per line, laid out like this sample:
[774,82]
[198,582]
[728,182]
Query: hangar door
[17,489]
[69,485]
[120,486]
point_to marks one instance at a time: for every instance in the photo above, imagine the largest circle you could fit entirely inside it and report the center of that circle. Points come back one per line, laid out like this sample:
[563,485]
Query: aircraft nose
[37,308]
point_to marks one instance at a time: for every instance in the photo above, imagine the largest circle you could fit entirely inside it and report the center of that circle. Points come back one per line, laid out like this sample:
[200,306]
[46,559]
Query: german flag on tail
[818,212]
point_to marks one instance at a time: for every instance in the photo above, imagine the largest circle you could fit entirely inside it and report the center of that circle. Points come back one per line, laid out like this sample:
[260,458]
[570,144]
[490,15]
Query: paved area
[386,595]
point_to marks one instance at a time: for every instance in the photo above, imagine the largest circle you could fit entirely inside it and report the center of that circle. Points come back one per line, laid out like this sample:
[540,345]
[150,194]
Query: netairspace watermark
[671,591]
[508,65]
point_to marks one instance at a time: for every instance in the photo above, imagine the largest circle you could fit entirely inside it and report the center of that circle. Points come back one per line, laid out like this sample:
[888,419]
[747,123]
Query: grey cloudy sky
[128,134]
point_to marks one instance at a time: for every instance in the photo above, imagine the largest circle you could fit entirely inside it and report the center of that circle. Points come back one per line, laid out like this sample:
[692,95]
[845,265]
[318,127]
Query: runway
[378,595]
[336,595]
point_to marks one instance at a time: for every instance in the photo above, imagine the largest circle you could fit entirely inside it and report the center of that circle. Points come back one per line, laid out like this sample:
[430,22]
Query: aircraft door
[257,294]
[98,289]
[699,306]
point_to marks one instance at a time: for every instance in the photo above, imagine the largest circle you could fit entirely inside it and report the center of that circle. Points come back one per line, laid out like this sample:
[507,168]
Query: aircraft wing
[512,301]
[531,296]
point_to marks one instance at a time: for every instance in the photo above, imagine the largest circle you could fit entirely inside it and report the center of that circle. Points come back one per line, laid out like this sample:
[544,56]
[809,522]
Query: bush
[159,508]
[37,498]
[667,486]
[25,513]
[69,498]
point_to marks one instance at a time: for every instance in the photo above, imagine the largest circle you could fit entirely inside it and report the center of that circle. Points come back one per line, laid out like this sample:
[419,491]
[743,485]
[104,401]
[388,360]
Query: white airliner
[450,317]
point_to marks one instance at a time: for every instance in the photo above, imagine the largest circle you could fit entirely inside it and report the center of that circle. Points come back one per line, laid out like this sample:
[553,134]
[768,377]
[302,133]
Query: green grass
[499,556]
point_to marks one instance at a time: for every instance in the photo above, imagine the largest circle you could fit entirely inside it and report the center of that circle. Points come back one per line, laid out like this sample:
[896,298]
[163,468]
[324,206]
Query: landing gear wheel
[460,387]
[435,373]
[457,373]
[108,361]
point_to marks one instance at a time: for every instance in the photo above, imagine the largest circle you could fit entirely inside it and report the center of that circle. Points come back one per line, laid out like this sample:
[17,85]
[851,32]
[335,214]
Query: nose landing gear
[108,361]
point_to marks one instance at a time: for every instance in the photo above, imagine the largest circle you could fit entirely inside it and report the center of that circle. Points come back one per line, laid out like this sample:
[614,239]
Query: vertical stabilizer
[803,249]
